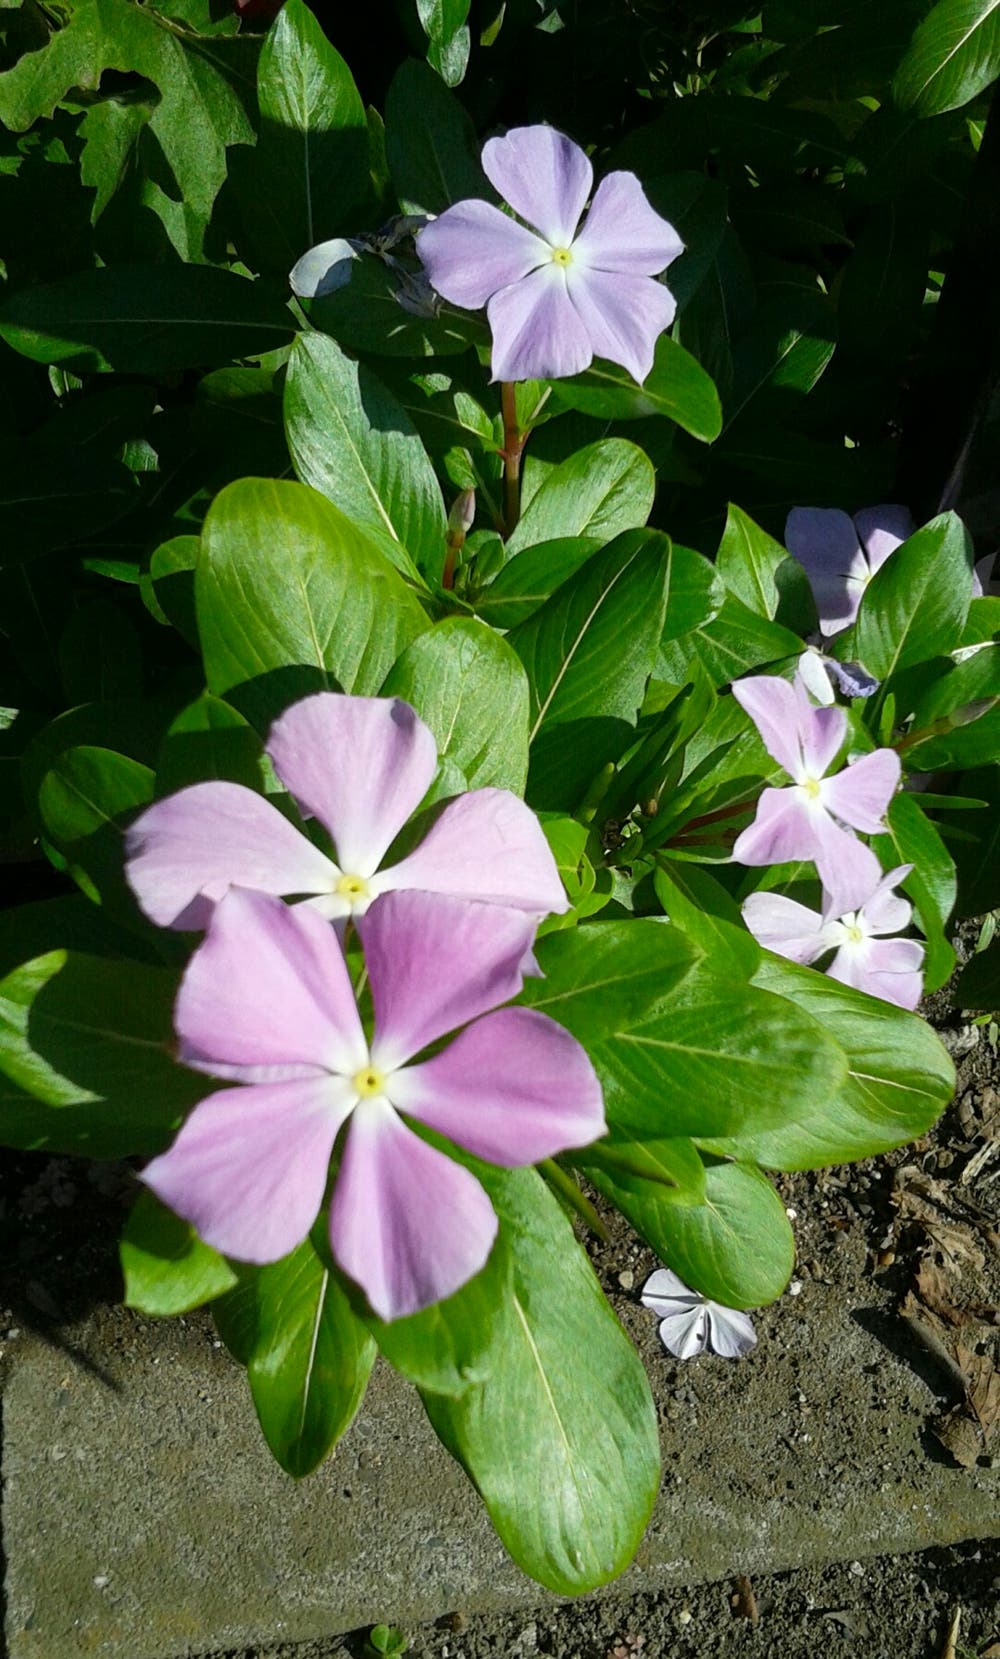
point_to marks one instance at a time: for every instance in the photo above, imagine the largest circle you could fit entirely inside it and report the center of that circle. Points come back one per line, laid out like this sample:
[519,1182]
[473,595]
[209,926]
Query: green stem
[564,1186]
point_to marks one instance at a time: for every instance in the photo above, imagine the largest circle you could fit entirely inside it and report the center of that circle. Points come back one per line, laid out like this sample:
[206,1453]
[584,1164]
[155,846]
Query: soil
[917,1226]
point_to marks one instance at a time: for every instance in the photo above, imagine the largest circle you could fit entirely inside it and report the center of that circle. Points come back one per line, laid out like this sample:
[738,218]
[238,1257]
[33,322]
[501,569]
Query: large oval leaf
[600,491]
[561,1438]
[292,598]
[915,605]
[954,54]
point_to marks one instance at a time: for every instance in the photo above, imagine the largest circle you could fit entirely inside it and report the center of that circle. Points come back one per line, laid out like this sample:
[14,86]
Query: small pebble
[795,1287]
[856,1569]
[626,1279]
[101,1580]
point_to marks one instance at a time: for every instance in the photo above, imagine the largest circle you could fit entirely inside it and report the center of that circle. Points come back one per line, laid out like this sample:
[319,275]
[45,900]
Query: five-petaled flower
[267,1002]
[360,766]
[807,820]
[690,1322]
[885,967]
[556,296]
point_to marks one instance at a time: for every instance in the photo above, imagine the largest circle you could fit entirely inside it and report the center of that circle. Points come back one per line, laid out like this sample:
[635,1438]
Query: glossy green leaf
[643,1174]
[677,386]
[899,1079]
[954,54]
[209,740]
[561,1438]
[430,142]
[469,687]
[166,1267]
[589,652]
[600,491]
[139,319]
[86,800]
[759,571]
[931,884]
[365,314]
[915,606]
[452,1345]
[603,978]
[349,439]
[444,23]
[292,598]
[308,1357]
[171,577]
[978,984]
[525,582]
[734,642]
[85,1057]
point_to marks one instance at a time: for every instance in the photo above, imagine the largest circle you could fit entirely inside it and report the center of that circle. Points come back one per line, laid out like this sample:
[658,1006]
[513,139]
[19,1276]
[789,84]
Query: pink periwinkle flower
[865,957]
[556,296]
[267,1003]
[360,766]
[814,817]
[690,1322]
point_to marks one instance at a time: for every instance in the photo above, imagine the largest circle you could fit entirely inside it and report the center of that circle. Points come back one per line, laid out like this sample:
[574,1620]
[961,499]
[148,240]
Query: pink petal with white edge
[848,869]
[887,911]
[885,968]
[860,794]
[249,1167]
[624,315]
[881,530]
[538,333]
[360,765]
[730,1332]
[486,845]
[622,231]
[825,542]
[268,987]
[544,176]
[789,929]
[408,1224]
[784,830]
[472,249]
[513,1088]
[184,852]
[780,713]
[436,962]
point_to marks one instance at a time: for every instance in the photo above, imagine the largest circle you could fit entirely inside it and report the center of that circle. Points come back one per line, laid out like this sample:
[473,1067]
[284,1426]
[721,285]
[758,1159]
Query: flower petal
[785,829]
[249,1167]
[665,1293]
[407,1223]
[730,1332]
[268,986]
[624,315]
[684,1334]
[860,794]
[184,852]
[623,233]
[472,249]
[323,269]
[360,765]
[777,710]
[544,176]
[825,542]
[513,1088]
[886,968]
[848,869]
[823,733]
[434,963]
[789,929]
[486,845]
[812,671]
[538,334]
[881,530]
[887,911]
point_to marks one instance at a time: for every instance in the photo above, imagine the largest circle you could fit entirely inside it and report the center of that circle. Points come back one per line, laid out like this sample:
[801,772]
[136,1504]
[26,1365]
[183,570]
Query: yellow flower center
[368,1081]
[352,887]
[855,934]
[562,256]
[811,787]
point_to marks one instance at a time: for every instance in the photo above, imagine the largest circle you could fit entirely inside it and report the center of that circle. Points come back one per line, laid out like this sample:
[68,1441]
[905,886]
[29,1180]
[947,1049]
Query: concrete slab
[144,1519]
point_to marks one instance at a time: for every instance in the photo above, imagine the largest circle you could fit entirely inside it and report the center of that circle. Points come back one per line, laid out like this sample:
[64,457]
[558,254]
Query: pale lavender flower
[689,1322]
[556,296]
[865,957]
[360,766]
[267,1002]
[809,820]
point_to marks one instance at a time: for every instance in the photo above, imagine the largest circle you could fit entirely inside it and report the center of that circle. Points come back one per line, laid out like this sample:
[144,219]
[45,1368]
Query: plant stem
[564,1186]
[513,448]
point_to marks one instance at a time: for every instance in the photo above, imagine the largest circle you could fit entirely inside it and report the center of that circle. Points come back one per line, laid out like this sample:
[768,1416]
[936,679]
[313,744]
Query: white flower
[689,1322]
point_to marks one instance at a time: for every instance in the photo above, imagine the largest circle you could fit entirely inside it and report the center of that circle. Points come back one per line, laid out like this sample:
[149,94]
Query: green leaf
[471,690]
[730,644]
[167,1268]
[292,598]
[430,142]
[954,54]
[84,800]
[140,319]
[756,569]
[641,1175]
[349,439]
[736,1247]
[561,1438]
[978,858]
[202,83]
[600,491]
[85,1057]
[309,169]
[308,1357]
[700,906]
[781,356]
[603,978]
[915,606]
[978,984]
[589,652]
[525,583]
[931,884]
[171,576]
[365,315]
[452,1344]
[444,24]
[209,740]
[899,1079]
[677,386]
[695,595]
[100,656]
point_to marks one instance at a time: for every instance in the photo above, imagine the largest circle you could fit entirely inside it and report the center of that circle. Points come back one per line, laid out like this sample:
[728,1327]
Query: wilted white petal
[664,1293]
[730,1332]
[323,269]
[683,1334]
[812,672]
[689,1321]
